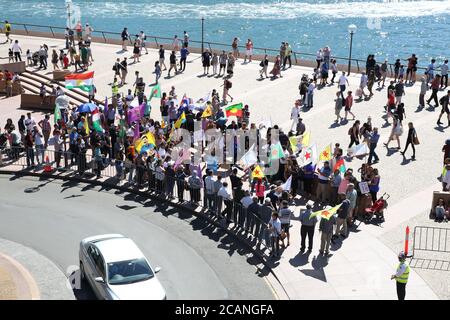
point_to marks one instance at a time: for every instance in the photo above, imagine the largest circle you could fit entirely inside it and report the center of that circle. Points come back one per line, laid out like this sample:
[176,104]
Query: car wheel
[82,274]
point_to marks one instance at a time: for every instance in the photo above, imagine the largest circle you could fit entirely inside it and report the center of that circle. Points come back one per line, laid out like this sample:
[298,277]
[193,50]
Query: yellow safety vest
[404,277]
[115,89]
[7,27]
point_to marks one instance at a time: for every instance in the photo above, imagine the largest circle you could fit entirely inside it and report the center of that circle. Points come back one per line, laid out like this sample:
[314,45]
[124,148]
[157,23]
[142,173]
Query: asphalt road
[197,261]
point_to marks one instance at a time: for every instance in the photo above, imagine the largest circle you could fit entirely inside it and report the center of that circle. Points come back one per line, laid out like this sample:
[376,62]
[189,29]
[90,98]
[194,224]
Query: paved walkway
[26,274]
[362,265]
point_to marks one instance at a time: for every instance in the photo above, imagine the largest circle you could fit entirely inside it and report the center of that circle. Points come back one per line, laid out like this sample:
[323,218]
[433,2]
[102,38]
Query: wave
[246,10]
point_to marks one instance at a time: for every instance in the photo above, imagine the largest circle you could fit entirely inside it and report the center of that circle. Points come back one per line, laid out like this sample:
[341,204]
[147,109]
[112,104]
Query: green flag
[276,151]
[57,114]
[156,92]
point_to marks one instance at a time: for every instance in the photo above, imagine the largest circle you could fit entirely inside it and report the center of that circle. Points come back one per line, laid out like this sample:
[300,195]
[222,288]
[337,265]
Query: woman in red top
[248,51]
[390,107]
[260,190]
[348,105]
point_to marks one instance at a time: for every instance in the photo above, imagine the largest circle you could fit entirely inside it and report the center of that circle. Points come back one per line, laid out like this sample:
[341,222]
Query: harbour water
[389,29]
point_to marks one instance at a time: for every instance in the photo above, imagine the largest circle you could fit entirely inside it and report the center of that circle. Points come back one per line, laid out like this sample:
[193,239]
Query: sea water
[389,29]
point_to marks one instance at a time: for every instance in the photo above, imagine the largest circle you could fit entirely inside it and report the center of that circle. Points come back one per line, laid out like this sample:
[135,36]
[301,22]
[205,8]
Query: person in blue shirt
[308,177]
[373,141]
[184,53]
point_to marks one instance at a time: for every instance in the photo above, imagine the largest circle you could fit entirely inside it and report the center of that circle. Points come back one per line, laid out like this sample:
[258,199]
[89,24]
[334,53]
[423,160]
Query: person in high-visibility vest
[401,276]
[115,87]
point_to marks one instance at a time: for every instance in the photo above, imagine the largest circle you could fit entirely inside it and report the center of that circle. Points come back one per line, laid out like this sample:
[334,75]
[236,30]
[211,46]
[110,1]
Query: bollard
[406,240]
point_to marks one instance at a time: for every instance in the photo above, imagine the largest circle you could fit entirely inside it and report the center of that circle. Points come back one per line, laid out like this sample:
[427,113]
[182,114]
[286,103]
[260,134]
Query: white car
[117,270]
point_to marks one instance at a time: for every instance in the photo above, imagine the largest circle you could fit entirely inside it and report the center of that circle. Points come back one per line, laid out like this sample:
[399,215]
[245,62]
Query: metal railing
[230,214]
[106,35]
[431,239]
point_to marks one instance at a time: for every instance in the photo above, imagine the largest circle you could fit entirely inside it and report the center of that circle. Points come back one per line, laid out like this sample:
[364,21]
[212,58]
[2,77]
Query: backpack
[261,64]
[350,131]
[229,85]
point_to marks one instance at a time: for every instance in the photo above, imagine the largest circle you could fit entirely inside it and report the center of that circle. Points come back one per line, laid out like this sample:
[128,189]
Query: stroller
[377,208]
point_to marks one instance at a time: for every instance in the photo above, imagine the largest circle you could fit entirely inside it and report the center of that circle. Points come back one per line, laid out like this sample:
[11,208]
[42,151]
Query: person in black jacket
[412,136]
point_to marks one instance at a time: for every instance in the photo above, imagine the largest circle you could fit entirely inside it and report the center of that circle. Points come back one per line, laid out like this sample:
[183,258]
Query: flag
[57,114]
[156,92]
[180,121]
[296,143]
[308,155]
[170,135]
[257,173]
[138,144]
[276,151]
[83,81]
[208,112]
[234,110]
[249,158]
[144,109]
[340,165]
[306,138]
[86,126]
[287,185]
[122,132]
[325,213]
[325,155]
[96,121]
[149,138]
[134,115]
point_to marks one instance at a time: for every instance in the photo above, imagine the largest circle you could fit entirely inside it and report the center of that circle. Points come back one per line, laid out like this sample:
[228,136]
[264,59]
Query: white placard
[364,187]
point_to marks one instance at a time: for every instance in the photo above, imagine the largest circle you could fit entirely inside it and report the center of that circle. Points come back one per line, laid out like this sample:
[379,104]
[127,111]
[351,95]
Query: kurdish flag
[234,110]
[257,173]
[325,213]
[340,165]
[96,123]
[156,92]
[83,81]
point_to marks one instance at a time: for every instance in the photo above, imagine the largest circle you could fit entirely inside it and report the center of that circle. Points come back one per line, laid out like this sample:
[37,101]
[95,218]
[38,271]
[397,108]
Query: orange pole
[406,240]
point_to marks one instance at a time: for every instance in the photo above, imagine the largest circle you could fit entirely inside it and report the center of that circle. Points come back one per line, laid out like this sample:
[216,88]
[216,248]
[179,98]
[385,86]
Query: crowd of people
[119,141]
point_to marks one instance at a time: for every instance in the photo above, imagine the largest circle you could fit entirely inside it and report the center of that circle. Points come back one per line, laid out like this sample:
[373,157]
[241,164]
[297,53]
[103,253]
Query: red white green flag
[234,110]
[96,123]
[83,81]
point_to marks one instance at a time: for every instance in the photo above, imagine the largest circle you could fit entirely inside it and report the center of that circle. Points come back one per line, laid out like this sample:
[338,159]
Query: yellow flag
[180,121]
[208,112]
[325,213]
[306,138]
[295,141]
[258,173]
[325,155]
[138,144]
[86,126]
[150,138]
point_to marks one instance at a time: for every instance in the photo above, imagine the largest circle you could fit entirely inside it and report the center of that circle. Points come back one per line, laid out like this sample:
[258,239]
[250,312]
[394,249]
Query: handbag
[283,235]
[416,140]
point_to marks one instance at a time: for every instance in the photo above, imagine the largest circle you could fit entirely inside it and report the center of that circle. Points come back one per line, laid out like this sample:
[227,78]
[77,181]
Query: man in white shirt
[246,200]
[88,32]
[17,50]
[342,82]
[209,190]
[29,122]
[363,84]
[225,195]
[39,145]
[295,112]
[142,38]
[444,74]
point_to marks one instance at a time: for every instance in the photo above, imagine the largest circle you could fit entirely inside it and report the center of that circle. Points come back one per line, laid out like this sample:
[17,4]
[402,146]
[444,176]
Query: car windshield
[125,272]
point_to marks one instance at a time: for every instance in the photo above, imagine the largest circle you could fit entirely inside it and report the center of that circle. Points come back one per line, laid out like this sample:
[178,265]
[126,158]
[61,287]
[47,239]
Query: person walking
[399,91]
[161,57]
[444,74]
[411,140]
[55,59]
[383,69]
[423,92]
[295,114]
[264,64]
[227,84]
[276,70]
[123,71]
[307,228]
[435,84]
[184,52]
[338,107]
[343,81]
[348,105]
[310,93]
[173,63]
[230,64]
[274,226]
[373,141]
[401,276]
[17,51]
[354,134]
[334,70]
[285,217]
[7,31]
[444,101]
[235,48]
[326,227]
[397,131]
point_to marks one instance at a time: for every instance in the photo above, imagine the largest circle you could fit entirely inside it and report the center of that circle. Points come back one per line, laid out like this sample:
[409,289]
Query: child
[10,55]
[401,72]
[65,61]
[348,105]
[29,58]
[157,71]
